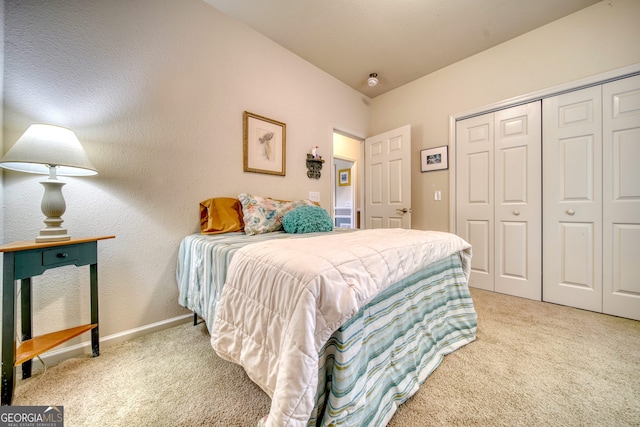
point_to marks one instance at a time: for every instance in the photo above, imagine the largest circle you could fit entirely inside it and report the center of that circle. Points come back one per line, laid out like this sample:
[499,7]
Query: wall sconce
[52,150]
[373,79]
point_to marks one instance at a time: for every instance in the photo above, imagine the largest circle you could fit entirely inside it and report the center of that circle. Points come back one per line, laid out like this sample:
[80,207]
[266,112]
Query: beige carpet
[533,364]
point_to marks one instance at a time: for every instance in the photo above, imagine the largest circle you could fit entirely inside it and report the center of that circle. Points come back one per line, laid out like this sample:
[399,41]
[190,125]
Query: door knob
[403,210]
[516,213]
[571,212]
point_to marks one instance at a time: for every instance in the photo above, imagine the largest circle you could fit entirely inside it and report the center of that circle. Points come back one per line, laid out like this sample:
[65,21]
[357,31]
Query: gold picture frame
[344,177]
[264,144]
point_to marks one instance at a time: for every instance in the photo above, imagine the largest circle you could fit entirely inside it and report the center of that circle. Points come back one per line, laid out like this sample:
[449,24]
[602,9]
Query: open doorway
[346,181]
[344,205]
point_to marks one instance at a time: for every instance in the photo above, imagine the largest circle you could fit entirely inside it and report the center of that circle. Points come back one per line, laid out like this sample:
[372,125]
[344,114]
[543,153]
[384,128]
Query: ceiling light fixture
[373,79]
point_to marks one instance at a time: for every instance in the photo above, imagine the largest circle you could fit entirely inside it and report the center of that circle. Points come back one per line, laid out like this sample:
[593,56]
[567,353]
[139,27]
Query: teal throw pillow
[307,219]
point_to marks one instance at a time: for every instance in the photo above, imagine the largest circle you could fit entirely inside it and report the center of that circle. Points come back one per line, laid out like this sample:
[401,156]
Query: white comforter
[283,299]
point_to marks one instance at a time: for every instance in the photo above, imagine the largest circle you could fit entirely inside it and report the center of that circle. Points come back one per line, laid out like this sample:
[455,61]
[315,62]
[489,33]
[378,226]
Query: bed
[337,327]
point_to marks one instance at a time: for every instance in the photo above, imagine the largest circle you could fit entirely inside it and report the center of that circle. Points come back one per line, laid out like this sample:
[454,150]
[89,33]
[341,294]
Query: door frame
[597,79]
[360,178]
[355,185]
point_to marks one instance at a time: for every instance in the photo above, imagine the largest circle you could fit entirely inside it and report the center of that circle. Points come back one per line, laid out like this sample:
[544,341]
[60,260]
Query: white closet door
[498,198]
[474,195]
[621,198]
[517,217]
[572,204]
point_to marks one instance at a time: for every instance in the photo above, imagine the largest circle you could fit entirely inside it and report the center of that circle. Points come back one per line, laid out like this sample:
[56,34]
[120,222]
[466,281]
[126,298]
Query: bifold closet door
[572,199]
[591,199]
[621,198]
[474,195]
[498,198]
[517,215]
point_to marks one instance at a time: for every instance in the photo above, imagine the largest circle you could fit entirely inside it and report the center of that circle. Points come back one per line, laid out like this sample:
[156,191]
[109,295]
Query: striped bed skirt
[379,358]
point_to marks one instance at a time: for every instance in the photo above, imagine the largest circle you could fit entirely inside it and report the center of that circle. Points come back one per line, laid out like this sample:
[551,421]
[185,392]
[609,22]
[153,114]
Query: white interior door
[518,211]
[572,199]
[621,198]
[388,179]
[474,195]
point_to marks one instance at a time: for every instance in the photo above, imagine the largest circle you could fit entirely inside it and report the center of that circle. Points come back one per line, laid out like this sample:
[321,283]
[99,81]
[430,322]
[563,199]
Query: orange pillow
[221,215]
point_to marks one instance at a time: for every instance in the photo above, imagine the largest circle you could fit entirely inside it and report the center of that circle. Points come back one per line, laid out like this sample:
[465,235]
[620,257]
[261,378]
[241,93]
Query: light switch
[437,195]
[314,196]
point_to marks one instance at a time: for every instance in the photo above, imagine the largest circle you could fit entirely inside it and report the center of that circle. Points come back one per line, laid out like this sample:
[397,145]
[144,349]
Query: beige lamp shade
[42,146]
[52,150]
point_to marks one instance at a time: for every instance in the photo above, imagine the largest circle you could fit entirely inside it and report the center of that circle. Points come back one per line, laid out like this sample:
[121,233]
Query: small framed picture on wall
[434,159]
[344,177]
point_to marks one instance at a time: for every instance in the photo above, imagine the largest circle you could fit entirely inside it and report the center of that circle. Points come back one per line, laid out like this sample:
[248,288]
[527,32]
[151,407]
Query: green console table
[22,261]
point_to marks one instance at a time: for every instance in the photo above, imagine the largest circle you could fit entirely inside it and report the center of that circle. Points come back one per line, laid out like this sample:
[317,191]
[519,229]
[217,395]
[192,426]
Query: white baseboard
[58,355]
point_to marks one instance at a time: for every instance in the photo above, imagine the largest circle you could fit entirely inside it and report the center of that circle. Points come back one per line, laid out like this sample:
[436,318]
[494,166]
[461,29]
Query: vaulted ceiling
[400,40]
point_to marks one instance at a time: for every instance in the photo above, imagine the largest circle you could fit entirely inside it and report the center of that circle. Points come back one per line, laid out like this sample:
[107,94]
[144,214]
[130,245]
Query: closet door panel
[576,168]
[478,232]
[474,195]
[621,198]
[517,151]
[626,269]
[572,199]
[625,153]
[576,255]
[513,262]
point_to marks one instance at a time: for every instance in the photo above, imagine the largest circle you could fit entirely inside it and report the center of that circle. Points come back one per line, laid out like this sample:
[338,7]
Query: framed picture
[264,144]
[344,177]
[434,159]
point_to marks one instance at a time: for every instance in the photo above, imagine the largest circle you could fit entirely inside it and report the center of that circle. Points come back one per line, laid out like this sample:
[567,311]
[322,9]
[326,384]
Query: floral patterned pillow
[264,215]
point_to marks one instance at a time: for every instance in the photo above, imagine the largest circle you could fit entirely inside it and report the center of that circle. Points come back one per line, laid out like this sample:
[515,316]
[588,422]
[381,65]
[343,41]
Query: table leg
[8,328]
[25,297]
[95,334]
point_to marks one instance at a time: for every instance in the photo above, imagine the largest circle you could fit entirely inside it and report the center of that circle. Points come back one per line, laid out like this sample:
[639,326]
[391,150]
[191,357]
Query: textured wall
[155,91]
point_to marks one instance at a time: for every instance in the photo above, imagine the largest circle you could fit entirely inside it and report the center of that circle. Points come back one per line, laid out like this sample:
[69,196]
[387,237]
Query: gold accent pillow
[221,215]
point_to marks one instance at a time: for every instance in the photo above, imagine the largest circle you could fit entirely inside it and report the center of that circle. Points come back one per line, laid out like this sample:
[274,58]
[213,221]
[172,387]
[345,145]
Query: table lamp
[52,150]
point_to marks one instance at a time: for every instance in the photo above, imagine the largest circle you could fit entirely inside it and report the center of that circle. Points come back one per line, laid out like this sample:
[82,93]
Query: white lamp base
[53,235]
[53,206]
